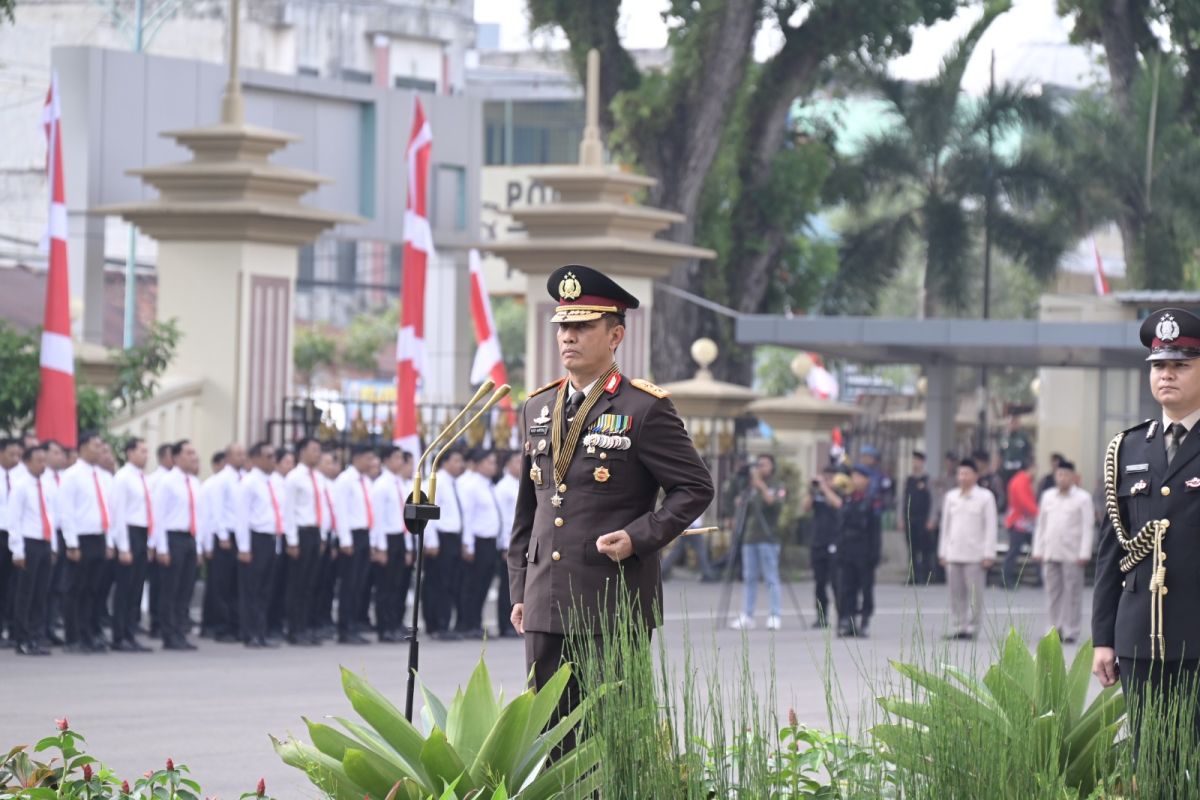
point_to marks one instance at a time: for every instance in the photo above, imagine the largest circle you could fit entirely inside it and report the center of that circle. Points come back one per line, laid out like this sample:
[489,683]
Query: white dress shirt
[1189,422]
[6,479]
[480,511]
[302,503]
[506,496]
[178,506]
[352,505]
[1066,526]
[131,504]
[387,500]
[968,532]
[25,516]
[85,503]
[329,514]
[226,499]
[208,524]
[262,506]
[451,510]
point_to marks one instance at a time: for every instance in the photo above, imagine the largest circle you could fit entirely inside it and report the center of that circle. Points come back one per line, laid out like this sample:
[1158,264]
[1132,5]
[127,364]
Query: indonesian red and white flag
[56,394]
[418,249]
[489,362]
[1100,280]
[820,381]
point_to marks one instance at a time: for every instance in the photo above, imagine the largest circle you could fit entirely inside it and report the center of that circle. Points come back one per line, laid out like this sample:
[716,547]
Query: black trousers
[503,601]
[86,591]
[352,573]
[322,605]
[921,558]
[277,603]
[56,599]
[441,582]
[1158,682]
[391,590]
[302,575]
[362,619]
[154,573]
[856,590]
[824,565]
[32,588]
[1013,558]
[8,584]
[476,580]
[176,584]
[131,578]
[254,585]
[220,611]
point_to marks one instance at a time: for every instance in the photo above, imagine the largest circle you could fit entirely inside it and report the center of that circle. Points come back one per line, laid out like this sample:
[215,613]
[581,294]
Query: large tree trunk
[1117,20]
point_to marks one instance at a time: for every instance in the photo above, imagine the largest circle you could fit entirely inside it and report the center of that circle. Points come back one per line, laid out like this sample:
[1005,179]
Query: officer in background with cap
[598,447]
[1145,628]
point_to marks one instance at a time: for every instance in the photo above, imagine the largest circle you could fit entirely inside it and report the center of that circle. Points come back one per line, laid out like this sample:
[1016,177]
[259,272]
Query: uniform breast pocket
[1134,494]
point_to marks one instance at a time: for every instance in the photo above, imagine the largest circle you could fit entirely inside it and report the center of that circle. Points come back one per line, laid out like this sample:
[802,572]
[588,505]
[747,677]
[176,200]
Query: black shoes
[181,644]
[446,636]
[352,638]
[129,646]
[31,649]
[303,640]
[960,636]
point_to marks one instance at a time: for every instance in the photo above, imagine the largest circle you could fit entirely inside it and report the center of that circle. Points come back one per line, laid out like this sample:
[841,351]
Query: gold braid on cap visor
[581,313]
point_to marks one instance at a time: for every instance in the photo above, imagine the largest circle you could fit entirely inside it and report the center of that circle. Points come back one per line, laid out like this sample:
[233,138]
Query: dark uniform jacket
[858,537]
[917,500]
[1148,489]
[553,564]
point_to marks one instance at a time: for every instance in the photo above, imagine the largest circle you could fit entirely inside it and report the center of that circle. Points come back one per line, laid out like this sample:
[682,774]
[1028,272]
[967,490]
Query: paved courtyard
[214,709]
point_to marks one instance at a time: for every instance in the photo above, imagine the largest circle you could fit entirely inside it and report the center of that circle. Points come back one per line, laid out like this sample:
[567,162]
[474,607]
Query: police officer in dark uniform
[858,554]
[598,448]
[823,503]
[915,515]
[1145,627]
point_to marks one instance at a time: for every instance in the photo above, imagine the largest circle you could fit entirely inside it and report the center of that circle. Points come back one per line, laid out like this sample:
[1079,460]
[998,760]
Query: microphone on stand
[419,510]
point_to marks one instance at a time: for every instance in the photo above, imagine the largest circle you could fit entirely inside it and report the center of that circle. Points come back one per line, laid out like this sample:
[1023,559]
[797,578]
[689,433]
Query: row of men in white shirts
[347,530]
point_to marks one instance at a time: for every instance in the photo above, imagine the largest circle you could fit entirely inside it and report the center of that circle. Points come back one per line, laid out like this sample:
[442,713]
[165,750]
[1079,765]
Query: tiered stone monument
[229,225]
[594,221]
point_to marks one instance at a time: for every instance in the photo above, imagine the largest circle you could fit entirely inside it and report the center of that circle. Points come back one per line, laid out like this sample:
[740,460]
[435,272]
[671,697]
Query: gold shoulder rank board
[549,385]
[650,388]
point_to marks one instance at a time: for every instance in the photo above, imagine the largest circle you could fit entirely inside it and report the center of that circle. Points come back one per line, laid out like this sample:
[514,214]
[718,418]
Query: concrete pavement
[213,709]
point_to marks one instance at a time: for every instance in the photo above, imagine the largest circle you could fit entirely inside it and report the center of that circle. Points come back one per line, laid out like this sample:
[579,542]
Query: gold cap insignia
[601,474]
[569,288]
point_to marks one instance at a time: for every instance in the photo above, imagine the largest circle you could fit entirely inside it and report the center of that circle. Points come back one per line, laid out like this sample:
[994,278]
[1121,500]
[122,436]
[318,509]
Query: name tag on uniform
[1136,468]
[538,430]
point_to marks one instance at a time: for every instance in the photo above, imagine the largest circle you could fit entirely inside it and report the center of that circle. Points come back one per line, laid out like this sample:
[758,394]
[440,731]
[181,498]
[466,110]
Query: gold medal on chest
[601,474]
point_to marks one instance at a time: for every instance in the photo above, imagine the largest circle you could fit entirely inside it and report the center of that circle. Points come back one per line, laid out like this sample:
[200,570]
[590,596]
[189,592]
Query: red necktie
[100,501]
[149,507]
[316,496]
[191,506]
[332,513]
[42,506]
[367,500]
[275,505]
[400,494]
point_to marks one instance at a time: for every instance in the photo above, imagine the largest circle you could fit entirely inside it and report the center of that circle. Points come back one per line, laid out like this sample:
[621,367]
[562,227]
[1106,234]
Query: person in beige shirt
[1062,542]
[967,548]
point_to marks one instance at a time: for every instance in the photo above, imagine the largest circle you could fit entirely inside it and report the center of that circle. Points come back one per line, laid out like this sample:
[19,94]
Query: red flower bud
[62,724]
[170,765]
[87,772]
[262,787]
[124,787]
[147,773]
[792,717]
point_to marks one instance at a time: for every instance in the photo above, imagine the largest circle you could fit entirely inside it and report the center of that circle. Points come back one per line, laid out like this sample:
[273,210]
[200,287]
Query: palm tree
[932,181]
[1139,170]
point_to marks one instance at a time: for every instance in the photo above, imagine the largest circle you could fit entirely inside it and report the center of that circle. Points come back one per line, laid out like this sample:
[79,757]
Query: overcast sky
[1030,41]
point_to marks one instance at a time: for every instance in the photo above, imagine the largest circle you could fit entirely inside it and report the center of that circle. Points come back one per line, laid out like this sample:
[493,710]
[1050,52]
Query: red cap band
[1179,342]
[593,300]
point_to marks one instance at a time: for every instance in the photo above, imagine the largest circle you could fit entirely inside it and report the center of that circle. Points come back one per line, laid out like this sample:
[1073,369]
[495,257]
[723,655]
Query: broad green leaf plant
[477,748]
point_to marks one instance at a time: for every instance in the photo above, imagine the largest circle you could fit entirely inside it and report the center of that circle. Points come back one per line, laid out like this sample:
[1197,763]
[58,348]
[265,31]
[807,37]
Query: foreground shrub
[478,747]
[75,775]
[1023,731]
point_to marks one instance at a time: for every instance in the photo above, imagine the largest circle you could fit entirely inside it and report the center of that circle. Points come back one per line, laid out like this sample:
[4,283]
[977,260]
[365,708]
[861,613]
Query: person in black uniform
[823,503]
[1145,627]
[915,516]
[858,553]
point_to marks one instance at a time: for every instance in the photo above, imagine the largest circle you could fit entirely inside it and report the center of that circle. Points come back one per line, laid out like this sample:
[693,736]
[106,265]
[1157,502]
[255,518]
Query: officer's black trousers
[476,580]
[856,577]
[1151,686]
[322,605]
[302,581]
[56,598]
[86,592]
[824,566]
[176,583]
[222,602]
[254,585]
[441,582]
[352,572]
[391,588]
[32,587]
[281,577]
[8,583]
[131,578]
[503,601]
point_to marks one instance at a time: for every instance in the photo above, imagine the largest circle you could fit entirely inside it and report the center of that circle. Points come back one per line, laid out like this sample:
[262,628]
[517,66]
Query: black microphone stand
[417,514]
